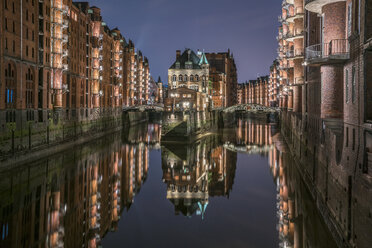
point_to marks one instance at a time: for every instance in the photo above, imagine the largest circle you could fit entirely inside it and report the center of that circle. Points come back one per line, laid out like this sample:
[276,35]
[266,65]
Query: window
[13,27]
[174,78]
[6,24]
[185,78]
[6,43]
[349,18]
[191,78]
[13,46]
[196,78]
[6,4]
[180,78]
[353,84]
[10,87]
[347,85]
[29,89]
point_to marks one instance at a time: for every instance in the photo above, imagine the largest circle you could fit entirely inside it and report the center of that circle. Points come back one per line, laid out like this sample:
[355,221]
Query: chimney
[178,54]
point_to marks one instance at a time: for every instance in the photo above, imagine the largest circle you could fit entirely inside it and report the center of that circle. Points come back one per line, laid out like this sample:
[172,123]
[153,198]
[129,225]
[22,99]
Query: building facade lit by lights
[254,92]
[188,82]
[61,61]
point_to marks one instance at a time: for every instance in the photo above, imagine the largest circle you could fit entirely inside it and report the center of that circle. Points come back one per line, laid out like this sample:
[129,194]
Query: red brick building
[325,94]
[254,91]
[223,75]
[60,60]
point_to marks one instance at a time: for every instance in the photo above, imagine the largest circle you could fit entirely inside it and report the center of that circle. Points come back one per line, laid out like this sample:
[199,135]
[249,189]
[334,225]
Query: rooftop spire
[203,60]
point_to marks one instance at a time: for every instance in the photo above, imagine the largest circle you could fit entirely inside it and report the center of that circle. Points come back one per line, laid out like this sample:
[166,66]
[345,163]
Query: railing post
[48,134]
[29,136]
[13,141]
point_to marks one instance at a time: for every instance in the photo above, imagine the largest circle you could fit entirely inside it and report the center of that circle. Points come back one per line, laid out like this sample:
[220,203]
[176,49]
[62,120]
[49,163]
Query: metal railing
[335,49]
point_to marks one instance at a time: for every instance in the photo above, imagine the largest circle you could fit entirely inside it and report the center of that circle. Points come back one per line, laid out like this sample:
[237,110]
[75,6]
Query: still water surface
[131,190]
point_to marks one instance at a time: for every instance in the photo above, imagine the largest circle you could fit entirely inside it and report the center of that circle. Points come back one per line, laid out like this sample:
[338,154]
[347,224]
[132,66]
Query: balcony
[299,81]
[317,5]
[285,3]
[297,13]
[336,51]
[295,54]
[291,36]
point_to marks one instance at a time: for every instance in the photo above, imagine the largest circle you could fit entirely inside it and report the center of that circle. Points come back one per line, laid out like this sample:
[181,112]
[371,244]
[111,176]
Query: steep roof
[187,56]
[203,60]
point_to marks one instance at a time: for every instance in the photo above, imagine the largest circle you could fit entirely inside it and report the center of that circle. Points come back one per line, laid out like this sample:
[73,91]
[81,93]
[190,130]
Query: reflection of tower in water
[196,171]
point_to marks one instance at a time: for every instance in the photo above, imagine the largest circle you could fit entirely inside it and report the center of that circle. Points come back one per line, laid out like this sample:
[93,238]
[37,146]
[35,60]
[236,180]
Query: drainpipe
[21,62]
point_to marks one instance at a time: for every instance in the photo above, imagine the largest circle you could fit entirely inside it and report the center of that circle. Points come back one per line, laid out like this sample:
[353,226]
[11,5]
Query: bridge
[144,108]
[254,108]
[250,107]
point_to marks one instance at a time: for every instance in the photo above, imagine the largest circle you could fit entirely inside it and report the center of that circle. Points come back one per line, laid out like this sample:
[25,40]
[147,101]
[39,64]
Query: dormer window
[178,65]
[188,65]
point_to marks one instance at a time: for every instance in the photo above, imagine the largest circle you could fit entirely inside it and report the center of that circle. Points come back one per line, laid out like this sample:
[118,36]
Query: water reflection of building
[250,136]
[195,172]
[72,199]
[300,223]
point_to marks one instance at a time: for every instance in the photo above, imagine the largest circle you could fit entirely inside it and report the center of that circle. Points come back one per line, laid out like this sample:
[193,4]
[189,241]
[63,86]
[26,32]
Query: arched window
[174,78]
[185,78]
[30,94]
[10,86]
[10,92]
[191,78]
[196,78]
[180,78]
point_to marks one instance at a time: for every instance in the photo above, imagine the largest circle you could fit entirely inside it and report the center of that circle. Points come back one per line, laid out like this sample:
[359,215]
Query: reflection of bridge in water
[249,149]
[251,108]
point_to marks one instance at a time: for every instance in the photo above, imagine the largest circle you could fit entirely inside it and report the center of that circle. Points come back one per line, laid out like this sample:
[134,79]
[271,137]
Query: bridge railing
[251,108]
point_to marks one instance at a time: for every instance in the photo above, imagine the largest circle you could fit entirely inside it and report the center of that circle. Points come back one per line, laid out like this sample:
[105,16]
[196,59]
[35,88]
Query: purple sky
[160,27]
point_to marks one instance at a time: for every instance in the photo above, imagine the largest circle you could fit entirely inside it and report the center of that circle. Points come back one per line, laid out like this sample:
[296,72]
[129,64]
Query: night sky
[160,27]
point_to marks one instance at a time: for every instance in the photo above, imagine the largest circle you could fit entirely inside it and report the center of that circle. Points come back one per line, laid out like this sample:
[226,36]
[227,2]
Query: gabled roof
[187,56]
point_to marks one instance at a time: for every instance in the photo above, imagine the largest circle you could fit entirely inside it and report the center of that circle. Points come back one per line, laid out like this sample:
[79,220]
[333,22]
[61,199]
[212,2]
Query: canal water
[228,189]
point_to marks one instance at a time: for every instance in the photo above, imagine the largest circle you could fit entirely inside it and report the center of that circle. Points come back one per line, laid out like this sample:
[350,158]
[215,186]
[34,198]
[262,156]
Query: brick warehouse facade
[60,62]
[223,75]
[254,92]
[324,91]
